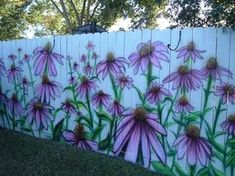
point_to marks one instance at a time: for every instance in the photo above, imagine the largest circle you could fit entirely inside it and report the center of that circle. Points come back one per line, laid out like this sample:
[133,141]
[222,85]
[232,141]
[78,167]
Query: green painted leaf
[104,144]
[57,132]
[230,161]
[169,124]
[203,172]
[171,153]
[216,171]
[85,119]
[70,88]
[28,130]
[162,169]
[104,116]
[97,131]
[56,112]
[141,95]
[231,152]
[231,143]
[179,170]
[218,155]
[167,99]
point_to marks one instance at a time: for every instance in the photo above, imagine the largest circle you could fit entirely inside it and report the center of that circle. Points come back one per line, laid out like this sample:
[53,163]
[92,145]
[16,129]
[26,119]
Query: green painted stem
[67,120]
[113,86]
[170,109]
[192,170]
[225,153]
[149,76]
[218,110]
[89,110]
[207,94]
[31,77]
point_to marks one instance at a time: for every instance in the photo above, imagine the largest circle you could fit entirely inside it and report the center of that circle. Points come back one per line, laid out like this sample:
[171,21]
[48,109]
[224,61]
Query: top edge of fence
[128,31]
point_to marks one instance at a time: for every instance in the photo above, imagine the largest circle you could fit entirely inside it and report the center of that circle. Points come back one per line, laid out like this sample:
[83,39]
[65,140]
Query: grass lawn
[24,155]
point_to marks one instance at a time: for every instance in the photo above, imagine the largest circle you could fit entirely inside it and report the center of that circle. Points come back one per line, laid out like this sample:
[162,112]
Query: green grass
[24,155]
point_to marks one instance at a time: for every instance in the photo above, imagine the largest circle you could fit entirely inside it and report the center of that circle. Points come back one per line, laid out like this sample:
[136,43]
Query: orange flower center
[13,67]
[156,90]
[193,131]
[110,57]
[212,64]
[38,106]
[140,114]
[191,46]
[183,70]
[48,47]
[146,50]
[79,131]
[45,79]
[231,118]
[183,101]
[14,97]
[229,90]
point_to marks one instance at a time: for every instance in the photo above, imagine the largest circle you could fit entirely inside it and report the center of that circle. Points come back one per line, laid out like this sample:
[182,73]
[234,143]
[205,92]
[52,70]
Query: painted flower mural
[169,121]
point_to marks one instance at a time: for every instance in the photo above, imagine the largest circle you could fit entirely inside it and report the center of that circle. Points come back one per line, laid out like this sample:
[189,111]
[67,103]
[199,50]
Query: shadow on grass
[25,155]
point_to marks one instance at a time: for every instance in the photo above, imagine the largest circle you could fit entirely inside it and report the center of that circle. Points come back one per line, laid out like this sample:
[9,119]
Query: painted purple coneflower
[90,46]
[185,78]
[2,68]
[72,80]
[195,148]
[189,52]
[229,125]
[226,91]
[40,113]
[138,130]
[116,109]
[68,107]
[48,89]
[183,105]
[14,105]
[124,81]
[25,83]
[112,65]
[13,72]
[75,66]
[85,87]
[94,56]
[26,57]
[45,59]
[77,138]
[148,53]
[156,92]
[88,69]
[19,50]
[83,58]
[12,57]
[100,99]
[214,70]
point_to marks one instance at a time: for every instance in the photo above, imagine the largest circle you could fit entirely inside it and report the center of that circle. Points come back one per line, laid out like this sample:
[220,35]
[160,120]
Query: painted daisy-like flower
[2,68]
[13,72]
[189,52]
[77,138]
[40,113]
[88,69]
[45,60]
[214,70]
[229,125]
[48,89]
[116,109]
[72,80]
[75,66]
[14,105]
[124,81]
[68,107]
[226,91]
[194,148]
[94,56]
[25,83]
[12,57]
[191,79]
[83,58]
[100,99]
[148,53]
[90,46]
[27,57]
[112,65]
[183,105]
[156,92]
[136,131]
[85,87]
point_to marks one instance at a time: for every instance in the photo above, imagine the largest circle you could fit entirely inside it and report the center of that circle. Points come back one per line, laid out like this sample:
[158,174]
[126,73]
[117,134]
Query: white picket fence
[218,43]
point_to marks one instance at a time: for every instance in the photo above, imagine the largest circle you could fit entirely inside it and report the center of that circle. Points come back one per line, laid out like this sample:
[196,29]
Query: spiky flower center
[48,47]
[146,50]
[13,68]
[84,79]
[14,98]
[100,93]
[212,64]
[183,101]
[191,46]
[79,131]
[183,70]
[193,131]
[231,118]
[140,114]
[115,102]
[24,81]
[229,90]
[155,89]
[67,102]
[110,57]
[45,79]
[38,106]
[75,65]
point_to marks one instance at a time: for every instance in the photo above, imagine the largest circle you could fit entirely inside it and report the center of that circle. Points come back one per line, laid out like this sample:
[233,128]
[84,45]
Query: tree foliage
[197,13]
